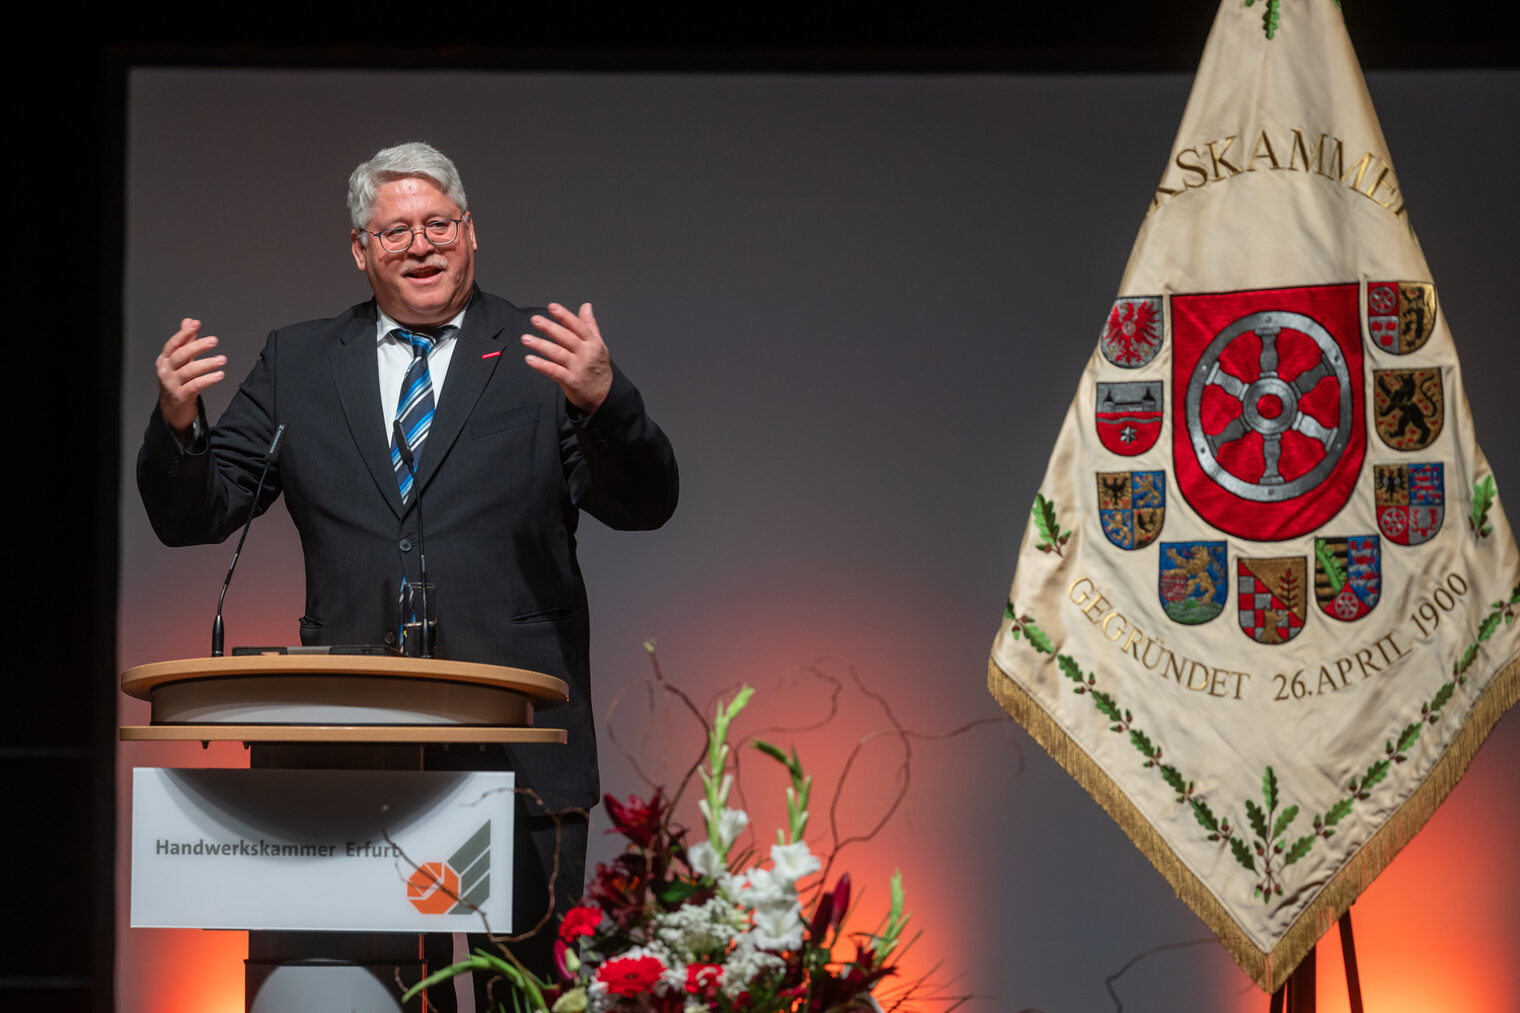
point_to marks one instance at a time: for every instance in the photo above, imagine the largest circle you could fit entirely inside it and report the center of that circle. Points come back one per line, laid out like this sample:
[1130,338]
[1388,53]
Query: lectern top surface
[545,690]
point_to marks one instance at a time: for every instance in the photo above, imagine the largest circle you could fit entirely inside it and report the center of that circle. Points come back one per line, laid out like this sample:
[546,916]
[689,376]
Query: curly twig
[557,815]
[817,673]
[1108,982]
[612,736]
[404,988]
[904,773]
[920,991]
[904,735]
[559,828]
[657,681]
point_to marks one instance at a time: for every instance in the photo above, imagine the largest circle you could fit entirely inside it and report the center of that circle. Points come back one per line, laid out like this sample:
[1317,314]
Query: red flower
[619,889]
[580,920]
[841,901]
[637,820]
[560,950]
[630,976]
[702,980]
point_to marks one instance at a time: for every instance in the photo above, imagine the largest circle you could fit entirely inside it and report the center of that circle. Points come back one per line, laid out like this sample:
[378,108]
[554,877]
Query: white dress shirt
[396,358]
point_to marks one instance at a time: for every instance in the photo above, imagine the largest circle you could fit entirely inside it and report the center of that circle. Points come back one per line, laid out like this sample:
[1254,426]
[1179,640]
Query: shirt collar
[387,325]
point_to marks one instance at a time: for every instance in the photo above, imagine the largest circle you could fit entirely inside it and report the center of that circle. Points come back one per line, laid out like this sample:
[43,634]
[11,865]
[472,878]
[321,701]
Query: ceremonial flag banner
[1265,607]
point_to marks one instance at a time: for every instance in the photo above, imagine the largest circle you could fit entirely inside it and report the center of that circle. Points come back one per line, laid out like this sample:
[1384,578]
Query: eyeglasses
[439,232]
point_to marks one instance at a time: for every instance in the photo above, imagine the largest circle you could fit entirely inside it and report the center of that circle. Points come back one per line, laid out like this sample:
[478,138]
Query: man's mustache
[432,260]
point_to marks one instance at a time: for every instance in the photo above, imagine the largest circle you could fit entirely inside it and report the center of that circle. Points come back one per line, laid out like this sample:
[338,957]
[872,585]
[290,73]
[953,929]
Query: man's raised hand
[183,375]
[576,358]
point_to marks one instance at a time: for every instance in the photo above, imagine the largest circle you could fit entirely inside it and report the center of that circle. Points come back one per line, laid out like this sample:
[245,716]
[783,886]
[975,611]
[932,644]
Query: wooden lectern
[337,712]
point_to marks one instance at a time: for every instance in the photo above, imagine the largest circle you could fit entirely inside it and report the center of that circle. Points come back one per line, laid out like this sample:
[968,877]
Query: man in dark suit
[509,449]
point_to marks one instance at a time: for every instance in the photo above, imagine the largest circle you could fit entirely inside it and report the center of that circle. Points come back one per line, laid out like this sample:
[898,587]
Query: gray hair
[414,159]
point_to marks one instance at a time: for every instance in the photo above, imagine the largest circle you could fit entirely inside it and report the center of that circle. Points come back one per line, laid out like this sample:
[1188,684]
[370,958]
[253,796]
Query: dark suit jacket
[504,474]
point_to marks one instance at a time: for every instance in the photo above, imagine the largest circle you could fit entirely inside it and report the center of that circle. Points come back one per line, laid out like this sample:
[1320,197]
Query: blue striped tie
[414,409]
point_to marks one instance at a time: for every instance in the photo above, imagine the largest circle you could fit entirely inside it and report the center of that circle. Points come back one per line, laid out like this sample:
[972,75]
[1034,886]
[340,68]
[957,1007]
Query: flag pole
[1296,995]
[1348,954]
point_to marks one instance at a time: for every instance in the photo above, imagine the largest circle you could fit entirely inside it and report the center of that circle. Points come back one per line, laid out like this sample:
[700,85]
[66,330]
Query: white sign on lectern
[322,850]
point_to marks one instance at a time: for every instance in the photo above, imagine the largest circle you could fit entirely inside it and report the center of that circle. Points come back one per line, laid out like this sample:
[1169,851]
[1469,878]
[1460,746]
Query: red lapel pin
[491,355]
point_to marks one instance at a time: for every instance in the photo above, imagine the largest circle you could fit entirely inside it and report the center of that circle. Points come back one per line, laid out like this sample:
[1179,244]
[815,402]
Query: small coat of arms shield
[1128,416]
[1132,334]
[1131,506]
[1348,576]
[1411,501]
[1192,581]
[1400,314]
[1272,597]
[1408,406]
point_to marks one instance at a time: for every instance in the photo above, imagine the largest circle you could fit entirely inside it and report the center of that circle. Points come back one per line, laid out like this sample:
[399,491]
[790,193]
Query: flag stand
[1297,993]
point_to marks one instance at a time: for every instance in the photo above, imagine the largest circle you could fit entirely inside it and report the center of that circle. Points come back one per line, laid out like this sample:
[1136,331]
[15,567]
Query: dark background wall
[923,424]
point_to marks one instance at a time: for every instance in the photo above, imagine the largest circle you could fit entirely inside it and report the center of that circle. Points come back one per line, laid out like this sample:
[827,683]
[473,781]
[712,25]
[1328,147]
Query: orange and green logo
[458,886]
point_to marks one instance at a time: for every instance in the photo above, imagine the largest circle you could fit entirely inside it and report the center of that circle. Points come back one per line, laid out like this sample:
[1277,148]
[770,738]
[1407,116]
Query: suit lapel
[356,372]
[479,349]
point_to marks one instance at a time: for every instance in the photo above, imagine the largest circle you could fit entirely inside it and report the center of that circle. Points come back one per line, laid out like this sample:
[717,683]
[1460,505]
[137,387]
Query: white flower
[729,885]
[730,823]
[745,964]
[778,928]
[703,859]
[694,931]
[674,978]
[761,888]
[793,861]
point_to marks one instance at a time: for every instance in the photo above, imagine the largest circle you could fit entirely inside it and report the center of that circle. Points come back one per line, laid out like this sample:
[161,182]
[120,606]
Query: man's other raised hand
[576,358]
[183,374]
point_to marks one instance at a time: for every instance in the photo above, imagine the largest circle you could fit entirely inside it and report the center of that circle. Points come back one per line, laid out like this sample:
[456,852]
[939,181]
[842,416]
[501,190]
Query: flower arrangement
[674,928]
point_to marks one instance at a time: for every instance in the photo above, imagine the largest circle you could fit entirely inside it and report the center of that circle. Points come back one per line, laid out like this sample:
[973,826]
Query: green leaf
[1069,667]
[1174,779]
[1269,789]
[1038,639]
[1142,742]
[1375,773]
[1258,819]
[774,752]
[674,891]
[1009,613]
[1269,18]
[1105,703]
[524,985]
[1242,853]
[1288,816]
[1338,812]
[1409,735]
[1044,513]
[1299,849]
[1488,625]
[1327,561]
[1466,660]
[1443,696]
[441,975]
[1483,498]
[1205,816]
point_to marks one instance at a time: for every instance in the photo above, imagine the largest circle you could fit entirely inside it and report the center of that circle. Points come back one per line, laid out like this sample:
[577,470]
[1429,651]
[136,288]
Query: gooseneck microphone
[404,448]
[217,630]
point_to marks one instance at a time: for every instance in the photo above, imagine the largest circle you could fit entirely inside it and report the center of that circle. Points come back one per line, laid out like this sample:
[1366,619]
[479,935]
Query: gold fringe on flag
[1268,969]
